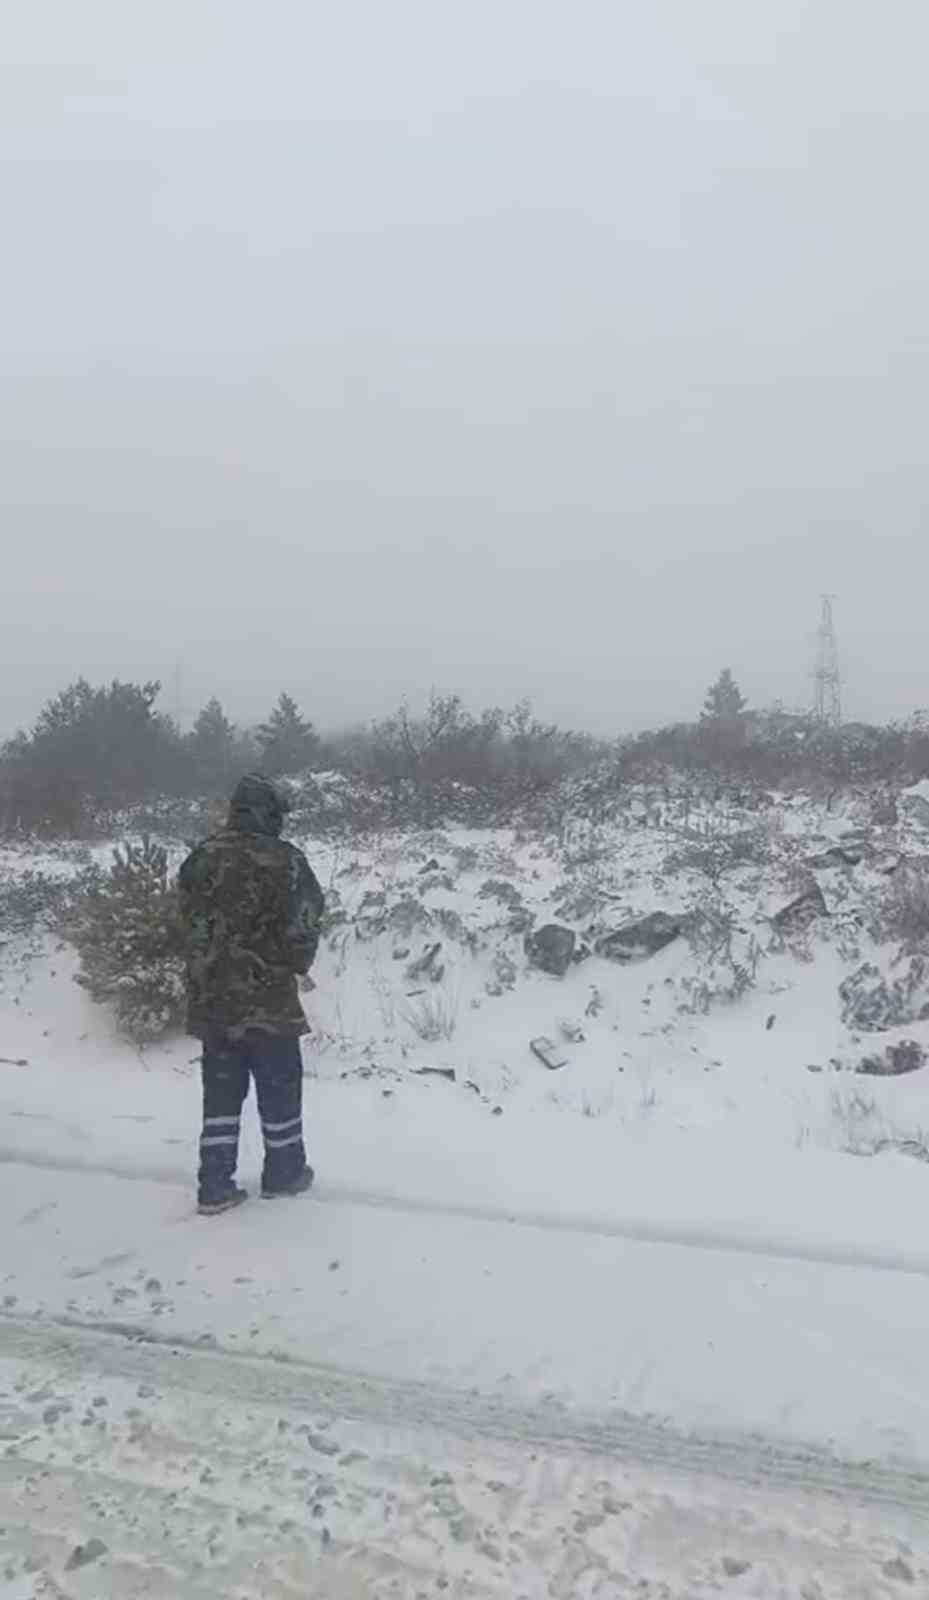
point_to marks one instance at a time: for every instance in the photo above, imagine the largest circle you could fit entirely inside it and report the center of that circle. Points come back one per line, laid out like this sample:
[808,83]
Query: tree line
[107,747]
[97,750]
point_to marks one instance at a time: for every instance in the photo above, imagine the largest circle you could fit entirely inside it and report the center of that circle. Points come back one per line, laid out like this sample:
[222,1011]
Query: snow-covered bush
[715,850]
[126,930]
[906,910]
[31,902]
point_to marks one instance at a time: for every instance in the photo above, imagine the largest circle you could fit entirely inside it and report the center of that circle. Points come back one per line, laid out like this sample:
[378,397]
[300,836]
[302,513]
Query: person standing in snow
[251,909]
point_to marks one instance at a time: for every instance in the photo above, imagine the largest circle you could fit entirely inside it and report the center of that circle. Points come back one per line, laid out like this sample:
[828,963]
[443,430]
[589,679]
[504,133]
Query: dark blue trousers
[228,1066]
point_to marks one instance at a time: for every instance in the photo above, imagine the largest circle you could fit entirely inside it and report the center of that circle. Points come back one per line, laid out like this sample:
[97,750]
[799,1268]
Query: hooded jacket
[251,908]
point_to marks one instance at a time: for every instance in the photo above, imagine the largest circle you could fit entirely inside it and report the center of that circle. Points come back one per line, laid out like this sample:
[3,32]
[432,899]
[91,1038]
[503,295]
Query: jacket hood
[258,806]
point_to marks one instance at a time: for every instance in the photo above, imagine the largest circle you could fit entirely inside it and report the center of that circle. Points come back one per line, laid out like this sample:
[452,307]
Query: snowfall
[651,1322]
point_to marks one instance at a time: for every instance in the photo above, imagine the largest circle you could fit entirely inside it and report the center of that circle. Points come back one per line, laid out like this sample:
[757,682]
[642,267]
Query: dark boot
[298,1185]
[223,1201]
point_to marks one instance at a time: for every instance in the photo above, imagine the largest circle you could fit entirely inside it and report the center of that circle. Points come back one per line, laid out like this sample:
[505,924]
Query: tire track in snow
[136,1354]
[729,1241]
[196,1473]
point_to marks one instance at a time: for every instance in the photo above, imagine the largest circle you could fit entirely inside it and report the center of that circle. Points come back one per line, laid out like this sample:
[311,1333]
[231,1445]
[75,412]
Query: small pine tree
[212,727]
[127,933]
[213,748]
[288,742]
[724,700]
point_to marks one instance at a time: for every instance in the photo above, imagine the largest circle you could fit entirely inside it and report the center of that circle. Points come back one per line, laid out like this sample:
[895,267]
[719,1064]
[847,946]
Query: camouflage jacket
[251,908]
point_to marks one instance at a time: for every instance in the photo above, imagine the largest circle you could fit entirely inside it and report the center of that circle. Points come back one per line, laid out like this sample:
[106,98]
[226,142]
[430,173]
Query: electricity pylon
[828,708]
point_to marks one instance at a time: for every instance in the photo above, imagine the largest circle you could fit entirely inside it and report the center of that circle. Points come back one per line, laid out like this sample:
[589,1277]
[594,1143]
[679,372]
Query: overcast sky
[566,348]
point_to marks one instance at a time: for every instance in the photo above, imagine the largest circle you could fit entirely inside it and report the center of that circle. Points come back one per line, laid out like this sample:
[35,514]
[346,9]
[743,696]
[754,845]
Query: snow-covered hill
[705,1229]
[742,1040]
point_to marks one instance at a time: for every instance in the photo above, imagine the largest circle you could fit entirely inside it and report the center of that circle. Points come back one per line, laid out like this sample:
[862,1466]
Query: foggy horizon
[546,352]
[174,700]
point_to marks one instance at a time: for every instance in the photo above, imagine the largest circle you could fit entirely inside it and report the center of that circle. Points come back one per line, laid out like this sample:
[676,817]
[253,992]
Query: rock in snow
[637,940]
[837,856]
[808,905]
[548,1053]
[83,1555]
[551,949]
[895,1060]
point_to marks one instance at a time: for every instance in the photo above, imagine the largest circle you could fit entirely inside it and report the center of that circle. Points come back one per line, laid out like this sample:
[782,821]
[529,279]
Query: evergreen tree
[91,749]
[288,742]
[127,933]
[213,748]
[724,701]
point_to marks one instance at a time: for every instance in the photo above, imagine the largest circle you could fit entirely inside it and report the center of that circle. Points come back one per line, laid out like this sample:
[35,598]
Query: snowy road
[343,1399]
[170,1471]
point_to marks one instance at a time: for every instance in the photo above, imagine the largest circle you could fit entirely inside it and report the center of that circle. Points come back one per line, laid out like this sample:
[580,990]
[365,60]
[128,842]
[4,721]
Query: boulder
[894,1060]
[802,911]
[838,856]
[551,948]
[635,941]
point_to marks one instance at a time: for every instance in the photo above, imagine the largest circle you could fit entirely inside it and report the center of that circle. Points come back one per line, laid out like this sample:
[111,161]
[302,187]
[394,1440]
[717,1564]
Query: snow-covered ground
[652,1323]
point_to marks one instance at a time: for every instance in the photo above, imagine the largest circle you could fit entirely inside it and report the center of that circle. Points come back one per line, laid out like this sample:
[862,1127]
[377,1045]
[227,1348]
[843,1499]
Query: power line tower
[828,708]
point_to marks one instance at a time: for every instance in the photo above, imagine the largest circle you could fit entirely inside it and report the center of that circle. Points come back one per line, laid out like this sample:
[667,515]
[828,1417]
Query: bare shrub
[502,890]
[713,851]
[449,762]
[728,959]
[454,927]
[585,844]
[857,1121]
[433,1017]
[860,1127]
[467,857]
[407,915]
[648,1100]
